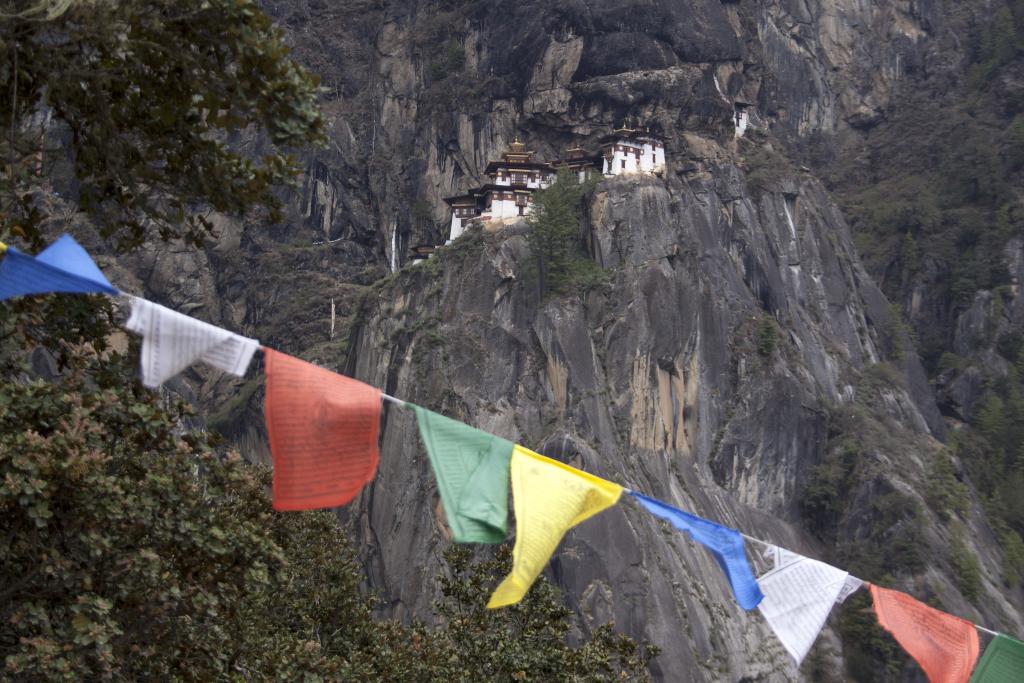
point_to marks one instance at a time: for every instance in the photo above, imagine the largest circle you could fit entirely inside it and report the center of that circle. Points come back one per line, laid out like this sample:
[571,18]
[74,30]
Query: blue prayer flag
[64,266]
[725,544]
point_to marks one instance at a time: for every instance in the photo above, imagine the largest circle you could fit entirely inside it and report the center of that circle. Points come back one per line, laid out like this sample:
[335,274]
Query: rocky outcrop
[654,380]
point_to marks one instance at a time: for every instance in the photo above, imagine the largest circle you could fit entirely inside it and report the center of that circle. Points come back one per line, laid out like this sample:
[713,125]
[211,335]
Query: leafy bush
[764,166]
[524,641]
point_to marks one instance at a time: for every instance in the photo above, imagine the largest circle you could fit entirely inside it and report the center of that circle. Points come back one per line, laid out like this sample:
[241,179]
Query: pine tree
[555,232]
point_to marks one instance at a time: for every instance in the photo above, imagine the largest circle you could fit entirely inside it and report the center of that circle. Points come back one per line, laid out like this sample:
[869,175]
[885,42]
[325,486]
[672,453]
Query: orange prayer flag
[323,429]
[945,646]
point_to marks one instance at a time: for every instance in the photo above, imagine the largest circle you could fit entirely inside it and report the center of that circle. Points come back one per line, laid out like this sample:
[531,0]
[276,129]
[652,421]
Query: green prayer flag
[472,468]
[1003,662]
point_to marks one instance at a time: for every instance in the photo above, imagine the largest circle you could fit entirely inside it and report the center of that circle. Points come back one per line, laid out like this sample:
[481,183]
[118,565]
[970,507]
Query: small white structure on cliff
[464,209]
[740,117]
[628,150]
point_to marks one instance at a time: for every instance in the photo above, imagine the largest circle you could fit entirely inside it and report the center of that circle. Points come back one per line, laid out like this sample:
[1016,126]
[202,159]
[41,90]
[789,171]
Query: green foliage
[1013,149]
[765,165]
[449,60]
[931,195]
[889,538]
[554,238]
[996,44]
[145,95]
[135,553]
[421,213]
[893,332]
[871,653]
[879,377]
[1013,556]
[767,336]
[525,641]
[1011,345]
[965,564]
[995,455]
[946,494]
[822,502]
[230,413]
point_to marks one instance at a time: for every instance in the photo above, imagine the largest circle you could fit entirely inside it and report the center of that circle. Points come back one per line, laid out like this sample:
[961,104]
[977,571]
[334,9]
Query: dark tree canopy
[139,100]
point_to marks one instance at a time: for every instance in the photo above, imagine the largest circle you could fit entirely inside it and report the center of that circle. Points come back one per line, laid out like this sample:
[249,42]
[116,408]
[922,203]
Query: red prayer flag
[945,646]
[323,431]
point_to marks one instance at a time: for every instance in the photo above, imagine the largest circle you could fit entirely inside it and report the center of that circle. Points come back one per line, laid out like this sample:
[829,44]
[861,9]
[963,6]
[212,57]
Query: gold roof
[517,152]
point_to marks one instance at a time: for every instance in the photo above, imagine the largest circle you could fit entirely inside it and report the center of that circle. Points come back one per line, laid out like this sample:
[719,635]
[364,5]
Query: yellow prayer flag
[549,498]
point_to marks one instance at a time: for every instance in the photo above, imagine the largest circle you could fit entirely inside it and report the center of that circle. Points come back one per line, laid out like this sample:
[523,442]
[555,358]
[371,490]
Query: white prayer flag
[172,341]
[798,595]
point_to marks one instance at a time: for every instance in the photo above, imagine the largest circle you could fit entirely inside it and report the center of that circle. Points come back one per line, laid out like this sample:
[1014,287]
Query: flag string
[397,401]
[757,541]
[404,404]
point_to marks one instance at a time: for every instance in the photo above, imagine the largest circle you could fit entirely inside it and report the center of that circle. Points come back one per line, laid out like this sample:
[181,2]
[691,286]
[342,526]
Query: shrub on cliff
[560,262]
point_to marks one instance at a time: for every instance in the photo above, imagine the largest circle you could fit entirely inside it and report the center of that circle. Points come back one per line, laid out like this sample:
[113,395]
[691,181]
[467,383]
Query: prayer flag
[64,266]
[798,595]
[472,470]
[322,429]
[1003,662]
[549,498]
[172,341]
[724,543]
[945,646]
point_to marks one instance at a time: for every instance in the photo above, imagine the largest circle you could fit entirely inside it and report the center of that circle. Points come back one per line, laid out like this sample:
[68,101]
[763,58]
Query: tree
[133,105]
[555,232]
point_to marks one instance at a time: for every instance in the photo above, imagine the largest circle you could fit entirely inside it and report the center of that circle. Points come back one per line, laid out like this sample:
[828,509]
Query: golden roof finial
[517,146]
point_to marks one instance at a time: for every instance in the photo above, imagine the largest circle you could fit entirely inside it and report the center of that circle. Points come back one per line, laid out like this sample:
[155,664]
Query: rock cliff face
[737,346]
[655,381]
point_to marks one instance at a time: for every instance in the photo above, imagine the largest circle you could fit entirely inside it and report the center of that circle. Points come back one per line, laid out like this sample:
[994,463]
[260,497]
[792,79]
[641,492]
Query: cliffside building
[513,179]
[516,176]
[464,208]
[628,150]
[583,165]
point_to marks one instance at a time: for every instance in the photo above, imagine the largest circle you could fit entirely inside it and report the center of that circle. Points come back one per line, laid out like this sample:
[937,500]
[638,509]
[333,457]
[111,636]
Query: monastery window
[623,162]
[521,199]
